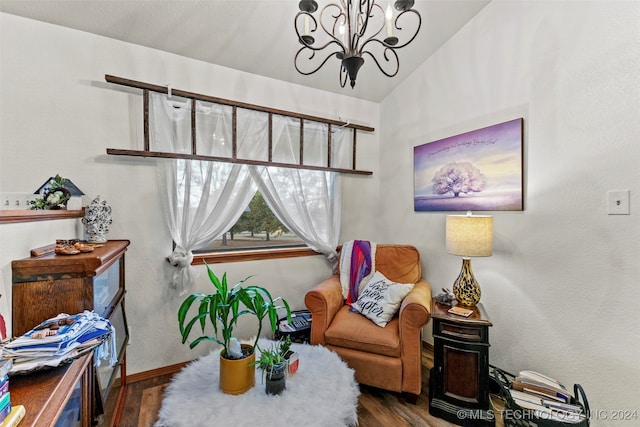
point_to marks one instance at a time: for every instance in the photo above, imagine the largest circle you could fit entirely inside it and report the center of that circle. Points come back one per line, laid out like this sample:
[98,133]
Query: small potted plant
[221,310]
[290,356]
[273,364]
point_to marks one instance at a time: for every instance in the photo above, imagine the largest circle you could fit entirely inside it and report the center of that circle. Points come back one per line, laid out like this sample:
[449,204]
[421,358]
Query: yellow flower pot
[237,375]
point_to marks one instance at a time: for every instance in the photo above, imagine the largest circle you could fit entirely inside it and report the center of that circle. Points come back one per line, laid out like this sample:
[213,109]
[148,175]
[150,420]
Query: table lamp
[468,236]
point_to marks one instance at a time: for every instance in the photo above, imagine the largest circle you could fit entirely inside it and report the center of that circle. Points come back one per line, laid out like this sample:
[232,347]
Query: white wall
[59,116]
[561,285]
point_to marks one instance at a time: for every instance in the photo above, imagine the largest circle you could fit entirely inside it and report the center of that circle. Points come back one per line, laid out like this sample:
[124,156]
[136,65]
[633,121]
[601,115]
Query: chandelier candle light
[468,236]
[350,30]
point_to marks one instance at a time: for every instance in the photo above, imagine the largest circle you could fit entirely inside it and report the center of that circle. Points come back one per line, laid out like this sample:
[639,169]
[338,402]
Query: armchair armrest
[414,314]
[324,301]
[416,306]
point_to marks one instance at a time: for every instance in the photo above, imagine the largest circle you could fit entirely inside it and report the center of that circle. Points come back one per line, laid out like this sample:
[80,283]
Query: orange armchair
[389,357]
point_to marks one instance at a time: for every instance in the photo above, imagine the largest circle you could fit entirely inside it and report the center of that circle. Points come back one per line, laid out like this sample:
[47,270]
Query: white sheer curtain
[201,199]
[307,202]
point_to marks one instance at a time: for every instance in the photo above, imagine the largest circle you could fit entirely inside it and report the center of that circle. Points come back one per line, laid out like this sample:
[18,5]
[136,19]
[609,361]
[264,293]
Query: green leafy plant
[275,355]
[270,357]
[223,308]
[285,345]
[273,360]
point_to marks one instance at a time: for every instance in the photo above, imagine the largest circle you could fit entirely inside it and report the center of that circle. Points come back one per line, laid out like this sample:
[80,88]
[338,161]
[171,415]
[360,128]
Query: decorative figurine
[53,195]
[97,219]
[446,297]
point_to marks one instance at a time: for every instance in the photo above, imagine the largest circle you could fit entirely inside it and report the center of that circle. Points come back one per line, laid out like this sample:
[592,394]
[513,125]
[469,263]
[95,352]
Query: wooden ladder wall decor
[147,87]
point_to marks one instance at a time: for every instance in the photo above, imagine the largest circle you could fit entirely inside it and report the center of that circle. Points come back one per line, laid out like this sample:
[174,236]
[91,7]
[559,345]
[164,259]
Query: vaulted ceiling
[256,36]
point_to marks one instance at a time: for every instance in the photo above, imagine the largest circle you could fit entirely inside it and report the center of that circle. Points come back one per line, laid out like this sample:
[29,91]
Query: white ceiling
[256,36]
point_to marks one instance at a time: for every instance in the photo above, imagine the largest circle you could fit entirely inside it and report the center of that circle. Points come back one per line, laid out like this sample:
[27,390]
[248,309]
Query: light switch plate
[618,202]
[17,201]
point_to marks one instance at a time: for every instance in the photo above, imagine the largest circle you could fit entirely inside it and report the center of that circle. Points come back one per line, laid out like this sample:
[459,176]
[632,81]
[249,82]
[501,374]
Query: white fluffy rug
[323,393]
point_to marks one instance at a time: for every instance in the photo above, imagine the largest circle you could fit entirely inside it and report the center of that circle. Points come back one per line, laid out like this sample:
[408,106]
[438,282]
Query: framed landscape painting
[479,170]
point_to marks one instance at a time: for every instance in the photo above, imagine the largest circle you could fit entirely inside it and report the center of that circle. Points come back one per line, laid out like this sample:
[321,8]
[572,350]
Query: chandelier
[352,29]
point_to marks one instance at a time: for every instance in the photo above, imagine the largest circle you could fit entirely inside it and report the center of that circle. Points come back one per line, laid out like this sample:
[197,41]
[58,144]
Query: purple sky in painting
[495,150]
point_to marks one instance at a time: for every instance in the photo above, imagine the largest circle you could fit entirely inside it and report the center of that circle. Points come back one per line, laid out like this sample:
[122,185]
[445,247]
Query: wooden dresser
[57,397]
[48,285]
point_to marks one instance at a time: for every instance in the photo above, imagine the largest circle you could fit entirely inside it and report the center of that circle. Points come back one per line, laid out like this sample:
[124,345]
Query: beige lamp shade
[469,235]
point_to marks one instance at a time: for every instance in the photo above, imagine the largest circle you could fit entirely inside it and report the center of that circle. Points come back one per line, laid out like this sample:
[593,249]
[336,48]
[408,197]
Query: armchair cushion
[399,263]
[353,330]
[380,299]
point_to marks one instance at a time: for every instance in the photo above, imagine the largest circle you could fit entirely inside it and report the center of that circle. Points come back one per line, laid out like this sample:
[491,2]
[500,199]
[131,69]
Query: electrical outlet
[618,202]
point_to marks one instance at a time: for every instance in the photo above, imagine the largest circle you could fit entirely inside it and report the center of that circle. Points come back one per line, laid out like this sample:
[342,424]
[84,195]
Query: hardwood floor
[376,408]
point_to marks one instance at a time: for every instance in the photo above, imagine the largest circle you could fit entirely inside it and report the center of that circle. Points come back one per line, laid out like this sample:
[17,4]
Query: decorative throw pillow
[380,299]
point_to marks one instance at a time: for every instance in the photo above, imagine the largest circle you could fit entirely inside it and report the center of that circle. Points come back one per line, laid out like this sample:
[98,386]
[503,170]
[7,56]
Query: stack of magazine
[60,339]
[548,398]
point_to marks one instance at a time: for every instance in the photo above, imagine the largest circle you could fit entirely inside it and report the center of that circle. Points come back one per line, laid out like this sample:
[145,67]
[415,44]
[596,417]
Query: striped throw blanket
[357,266]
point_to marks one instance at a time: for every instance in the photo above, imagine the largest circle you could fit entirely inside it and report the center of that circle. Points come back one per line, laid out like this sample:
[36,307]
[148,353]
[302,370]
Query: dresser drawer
[461,332]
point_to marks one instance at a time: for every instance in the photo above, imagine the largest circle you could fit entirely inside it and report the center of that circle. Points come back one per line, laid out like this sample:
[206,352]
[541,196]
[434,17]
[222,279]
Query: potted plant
[222,309]
[273,364]
[290,356]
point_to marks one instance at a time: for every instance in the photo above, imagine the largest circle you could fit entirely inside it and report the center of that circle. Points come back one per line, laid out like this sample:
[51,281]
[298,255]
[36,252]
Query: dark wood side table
[459,379]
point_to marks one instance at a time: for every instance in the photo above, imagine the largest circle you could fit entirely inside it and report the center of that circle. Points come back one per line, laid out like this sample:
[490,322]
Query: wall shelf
[13,216]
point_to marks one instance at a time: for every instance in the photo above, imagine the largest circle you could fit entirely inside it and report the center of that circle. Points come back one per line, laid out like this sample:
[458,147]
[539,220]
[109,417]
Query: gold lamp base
[466,289]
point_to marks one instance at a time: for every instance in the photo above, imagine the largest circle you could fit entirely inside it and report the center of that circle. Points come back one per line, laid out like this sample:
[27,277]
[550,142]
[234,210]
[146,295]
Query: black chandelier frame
[355,18]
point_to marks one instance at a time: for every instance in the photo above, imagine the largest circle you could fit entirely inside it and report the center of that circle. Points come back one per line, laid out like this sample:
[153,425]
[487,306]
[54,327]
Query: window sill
[224,257]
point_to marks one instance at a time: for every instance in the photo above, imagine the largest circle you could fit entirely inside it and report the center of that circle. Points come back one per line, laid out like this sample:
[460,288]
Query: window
[205,198]
[256,229]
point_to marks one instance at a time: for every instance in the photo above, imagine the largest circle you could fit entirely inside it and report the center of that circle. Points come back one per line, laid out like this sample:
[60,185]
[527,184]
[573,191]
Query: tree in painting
[458,177]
